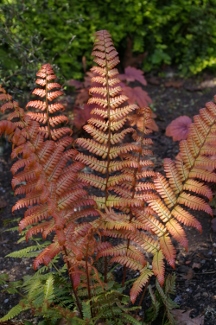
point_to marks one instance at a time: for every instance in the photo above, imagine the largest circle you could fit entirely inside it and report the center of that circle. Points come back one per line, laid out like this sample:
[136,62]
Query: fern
[167,302]
[106,146]
[162,304]
[47,108]
[49,289]
[13,312]
[120,211]
[27,252]
[86,307]
[183,185]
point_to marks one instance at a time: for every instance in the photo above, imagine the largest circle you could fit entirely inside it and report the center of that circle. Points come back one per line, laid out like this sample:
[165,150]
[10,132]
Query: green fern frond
[49,289]
[30,251]
[170,284]
[15,311]
[86,309]
[167,302]
[3,278]
[129,319]
[153,311]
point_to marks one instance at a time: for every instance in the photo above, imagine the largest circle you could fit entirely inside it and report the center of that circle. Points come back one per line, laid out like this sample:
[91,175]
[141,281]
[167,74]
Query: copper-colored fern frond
[48,110]
[54,197]
[140,282]
[123,177]
[47,255]
[183,188]
[139,187]
[119,166]
[13,120]
[106,127]
[45,176]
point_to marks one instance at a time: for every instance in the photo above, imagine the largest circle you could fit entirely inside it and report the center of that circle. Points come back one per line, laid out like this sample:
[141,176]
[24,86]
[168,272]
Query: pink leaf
[132,74]
[75,83]
[87,80]
[137,95]
[178,129]
[81,115]
[82,97]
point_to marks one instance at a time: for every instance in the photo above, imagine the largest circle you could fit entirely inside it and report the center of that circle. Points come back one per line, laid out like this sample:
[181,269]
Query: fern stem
[108,152]
[79,306]
[88,283]
[143,294]
[47,112]
[131,214]
[105,269]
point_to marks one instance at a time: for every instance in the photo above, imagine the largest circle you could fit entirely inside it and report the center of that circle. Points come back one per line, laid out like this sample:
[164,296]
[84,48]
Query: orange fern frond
[44,228]
[183,187]
[168,249]
[44,173]
[15,119]
[186,218]
[120,166]
[139,283]
[122,250]
[33,215]
[48,113]
[178,233]
[7,128]
[158,266]
[47,255]
[129,262]
[194,202]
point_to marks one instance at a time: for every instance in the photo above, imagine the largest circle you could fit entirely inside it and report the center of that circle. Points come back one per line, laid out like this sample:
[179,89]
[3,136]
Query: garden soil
[196,268]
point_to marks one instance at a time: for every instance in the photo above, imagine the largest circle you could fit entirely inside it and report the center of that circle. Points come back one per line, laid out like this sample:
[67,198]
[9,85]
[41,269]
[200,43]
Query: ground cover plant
[115,211]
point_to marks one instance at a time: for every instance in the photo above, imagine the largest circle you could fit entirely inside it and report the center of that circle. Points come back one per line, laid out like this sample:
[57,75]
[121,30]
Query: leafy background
[180,33]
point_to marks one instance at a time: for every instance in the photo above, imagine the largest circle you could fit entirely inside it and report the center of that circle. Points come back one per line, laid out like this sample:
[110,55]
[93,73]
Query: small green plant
[98,203]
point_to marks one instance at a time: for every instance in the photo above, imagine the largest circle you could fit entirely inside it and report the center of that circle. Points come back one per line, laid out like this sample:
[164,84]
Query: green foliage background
[180,32]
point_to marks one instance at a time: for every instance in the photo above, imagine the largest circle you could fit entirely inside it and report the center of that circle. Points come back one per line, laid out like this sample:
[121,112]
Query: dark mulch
[196,268]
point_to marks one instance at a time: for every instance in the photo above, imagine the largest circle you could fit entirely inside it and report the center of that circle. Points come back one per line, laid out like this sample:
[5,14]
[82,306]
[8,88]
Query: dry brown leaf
[3,203]
[131,74]
[173,83]
[178,129]
[189,275]
[183,318]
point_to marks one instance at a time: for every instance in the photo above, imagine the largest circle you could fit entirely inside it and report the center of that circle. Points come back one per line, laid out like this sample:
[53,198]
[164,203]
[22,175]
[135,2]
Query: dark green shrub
[170,32]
